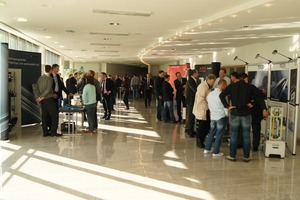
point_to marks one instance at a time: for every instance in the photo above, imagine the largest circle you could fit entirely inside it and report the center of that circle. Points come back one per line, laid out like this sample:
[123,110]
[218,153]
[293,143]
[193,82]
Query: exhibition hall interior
[140,150]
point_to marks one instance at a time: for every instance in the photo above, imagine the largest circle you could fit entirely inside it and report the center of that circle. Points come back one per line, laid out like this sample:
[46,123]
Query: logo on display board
[202,69]
[261,66]
[282,65]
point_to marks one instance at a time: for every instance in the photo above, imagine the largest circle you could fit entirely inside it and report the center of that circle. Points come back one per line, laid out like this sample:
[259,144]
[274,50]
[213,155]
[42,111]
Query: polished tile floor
[135,157]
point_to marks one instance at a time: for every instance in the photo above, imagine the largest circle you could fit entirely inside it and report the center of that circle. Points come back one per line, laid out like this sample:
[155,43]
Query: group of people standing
[208,105]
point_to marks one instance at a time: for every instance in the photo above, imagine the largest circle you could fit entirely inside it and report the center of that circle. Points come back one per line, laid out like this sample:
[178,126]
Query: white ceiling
[175,30]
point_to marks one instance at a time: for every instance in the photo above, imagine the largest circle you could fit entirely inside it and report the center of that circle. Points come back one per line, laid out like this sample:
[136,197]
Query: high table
[72,110]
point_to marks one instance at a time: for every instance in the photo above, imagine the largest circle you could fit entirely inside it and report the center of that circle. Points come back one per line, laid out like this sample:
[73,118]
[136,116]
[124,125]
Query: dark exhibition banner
[30,65]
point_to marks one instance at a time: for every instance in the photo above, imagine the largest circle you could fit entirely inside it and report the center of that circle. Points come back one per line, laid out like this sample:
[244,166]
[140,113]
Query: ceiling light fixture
[114,34]
[48,37]
[22,19]
[3,3]
[103,44]
[259,56]
[237,58]
[114,23]
[123,12]
[276,52]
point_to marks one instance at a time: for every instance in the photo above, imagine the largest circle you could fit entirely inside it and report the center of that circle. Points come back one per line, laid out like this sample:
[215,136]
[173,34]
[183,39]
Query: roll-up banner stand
[293,107]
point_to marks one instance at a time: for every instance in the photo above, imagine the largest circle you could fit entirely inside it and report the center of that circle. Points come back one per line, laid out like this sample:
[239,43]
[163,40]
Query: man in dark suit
[147,87]
[107,89]
[158,94]
[191,89]
[180,85]
[58,86]
[71,83]
[45,97]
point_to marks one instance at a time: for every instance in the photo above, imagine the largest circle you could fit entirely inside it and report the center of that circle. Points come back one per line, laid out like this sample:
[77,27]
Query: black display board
[30,65]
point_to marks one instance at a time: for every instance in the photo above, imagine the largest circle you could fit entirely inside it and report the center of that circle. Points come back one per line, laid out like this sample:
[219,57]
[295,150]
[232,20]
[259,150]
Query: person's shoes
[57,135]
[103,117]
[246,159]
[218,154]
[200,145]
[230,158]
[46,135]
[192,134]
[113,109]
[126,108]
[206,151]
[159,119]
[254,149]
[107,118]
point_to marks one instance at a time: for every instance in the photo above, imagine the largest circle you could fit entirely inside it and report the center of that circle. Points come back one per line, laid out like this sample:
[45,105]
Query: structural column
[4,107]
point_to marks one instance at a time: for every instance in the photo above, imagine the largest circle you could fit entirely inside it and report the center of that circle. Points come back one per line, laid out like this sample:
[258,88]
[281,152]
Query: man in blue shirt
[218,119]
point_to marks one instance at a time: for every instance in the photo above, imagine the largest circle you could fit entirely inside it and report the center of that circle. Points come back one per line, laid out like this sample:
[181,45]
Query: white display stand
[274,145]
[274,148]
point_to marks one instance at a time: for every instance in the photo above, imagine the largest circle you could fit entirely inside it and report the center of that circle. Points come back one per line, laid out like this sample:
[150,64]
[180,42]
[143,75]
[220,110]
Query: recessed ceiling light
[3,3]
[233,16]
[123,12]
[114,24]
[48,37]
[268,5]
[22,19]
[61,46]
[70,31]
[55,42]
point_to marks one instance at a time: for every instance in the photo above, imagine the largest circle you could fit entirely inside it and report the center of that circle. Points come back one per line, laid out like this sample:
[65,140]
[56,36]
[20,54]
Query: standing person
[118,84]
[158,94]
[256,117]
[222,75]
[113,94]
[58,86]
[191,89]
[98,94]
[107,87]
[44,94]
[147,87]
[81,83]
[135,83]
[71,83]
[90,103]
[218,121]
[168,97]
[234,77]
[241,94]
[126,88]
[200,109]
[180,85]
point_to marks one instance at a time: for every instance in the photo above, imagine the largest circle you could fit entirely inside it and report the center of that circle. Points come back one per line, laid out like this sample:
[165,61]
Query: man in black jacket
[241,94]
[158,94]
[191,89]
[107,89]
[58,86]
[180,85]
[147,87]
[168,99]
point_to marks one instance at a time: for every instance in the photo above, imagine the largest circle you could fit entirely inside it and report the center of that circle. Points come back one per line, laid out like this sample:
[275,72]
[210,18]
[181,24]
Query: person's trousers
[90,113]
[159,108]
[180,99]
[203,127]
[256,129]
[106,105]
[217,130]
[147,97]
[49,116]
[125,99]
[190,119]
[235,123]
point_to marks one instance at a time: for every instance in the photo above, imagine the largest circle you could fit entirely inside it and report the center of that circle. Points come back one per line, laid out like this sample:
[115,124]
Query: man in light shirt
[218,119]
[222,75]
